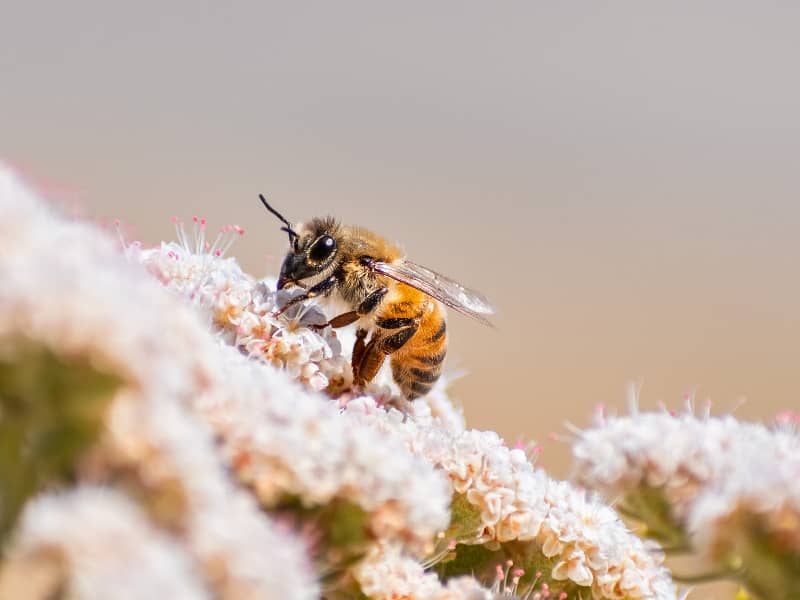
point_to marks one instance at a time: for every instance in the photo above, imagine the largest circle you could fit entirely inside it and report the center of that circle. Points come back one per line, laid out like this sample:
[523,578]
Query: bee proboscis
[394,301]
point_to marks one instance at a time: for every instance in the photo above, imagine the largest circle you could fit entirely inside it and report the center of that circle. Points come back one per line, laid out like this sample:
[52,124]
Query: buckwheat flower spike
[505,509]
[725,490]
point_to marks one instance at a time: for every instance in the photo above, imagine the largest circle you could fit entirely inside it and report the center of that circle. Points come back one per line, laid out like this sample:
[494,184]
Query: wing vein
[438,286]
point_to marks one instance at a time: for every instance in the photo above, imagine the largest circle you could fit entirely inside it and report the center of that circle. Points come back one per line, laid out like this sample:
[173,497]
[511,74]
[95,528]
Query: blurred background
[619,178]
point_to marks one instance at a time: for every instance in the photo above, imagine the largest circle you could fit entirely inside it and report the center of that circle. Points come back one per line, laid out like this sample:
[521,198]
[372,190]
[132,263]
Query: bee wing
[436,285]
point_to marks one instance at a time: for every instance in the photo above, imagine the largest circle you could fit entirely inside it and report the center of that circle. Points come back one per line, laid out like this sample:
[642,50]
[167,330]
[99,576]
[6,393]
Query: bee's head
[312,250]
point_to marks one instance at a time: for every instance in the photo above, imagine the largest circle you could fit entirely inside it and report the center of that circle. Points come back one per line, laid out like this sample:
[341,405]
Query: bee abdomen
[439,332]
[418,380]
[432,359]
[420,363]
[423,375]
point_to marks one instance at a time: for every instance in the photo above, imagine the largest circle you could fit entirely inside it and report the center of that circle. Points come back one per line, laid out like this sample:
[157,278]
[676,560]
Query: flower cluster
[727,490]
[516,512]
[243,310]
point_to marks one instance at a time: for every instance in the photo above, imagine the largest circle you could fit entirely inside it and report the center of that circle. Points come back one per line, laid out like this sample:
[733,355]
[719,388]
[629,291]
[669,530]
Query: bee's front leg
[322,287]
[369,304]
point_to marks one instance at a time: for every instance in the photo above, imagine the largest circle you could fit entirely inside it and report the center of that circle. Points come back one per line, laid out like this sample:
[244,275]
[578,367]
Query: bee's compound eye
[322,248]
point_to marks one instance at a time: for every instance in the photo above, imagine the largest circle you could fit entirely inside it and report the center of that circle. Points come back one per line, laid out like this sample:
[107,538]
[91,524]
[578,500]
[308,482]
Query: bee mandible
[395,300]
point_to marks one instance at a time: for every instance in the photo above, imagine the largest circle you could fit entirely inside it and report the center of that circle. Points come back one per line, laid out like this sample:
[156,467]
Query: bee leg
[322,287]
[371,360]
[380,347]
[367,306]
[344,319]
[358,351]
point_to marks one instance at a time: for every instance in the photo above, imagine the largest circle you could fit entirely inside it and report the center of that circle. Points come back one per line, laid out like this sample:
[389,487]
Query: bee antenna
[288,229]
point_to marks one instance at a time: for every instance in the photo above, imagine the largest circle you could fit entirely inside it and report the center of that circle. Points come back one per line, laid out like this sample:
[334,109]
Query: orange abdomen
[417,365]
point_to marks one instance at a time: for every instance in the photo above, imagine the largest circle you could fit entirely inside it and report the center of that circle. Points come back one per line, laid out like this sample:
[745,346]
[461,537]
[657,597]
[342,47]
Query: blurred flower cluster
[721,490]
[168,431]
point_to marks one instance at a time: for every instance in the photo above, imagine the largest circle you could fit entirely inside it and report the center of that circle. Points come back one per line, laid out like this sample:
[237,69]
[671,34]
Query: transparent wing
[444,289]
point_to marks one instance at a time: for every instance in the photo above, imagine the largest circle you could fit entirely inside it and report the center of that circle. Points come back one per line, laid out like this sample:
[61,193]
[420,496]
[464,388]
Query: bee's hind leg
[370,359]
[358,351]
[372,356]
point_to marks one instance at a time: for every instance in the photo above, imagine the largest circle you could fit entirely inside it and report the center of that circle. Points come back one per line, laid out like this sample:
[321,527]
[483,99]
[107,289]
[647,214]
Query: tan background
[620,178]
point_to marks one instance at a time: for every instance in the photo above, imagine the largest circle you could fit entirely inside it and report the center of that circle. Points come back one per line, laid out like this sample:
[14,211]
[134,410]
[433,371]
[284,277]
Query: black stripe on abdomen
[395,323]
[438,335]
[418,389]
[425,376]
[432,359]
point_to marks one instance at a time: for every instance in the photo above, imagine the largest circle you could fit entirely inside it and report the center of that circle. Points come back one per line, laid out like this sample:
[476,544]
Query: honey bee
[395,300]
